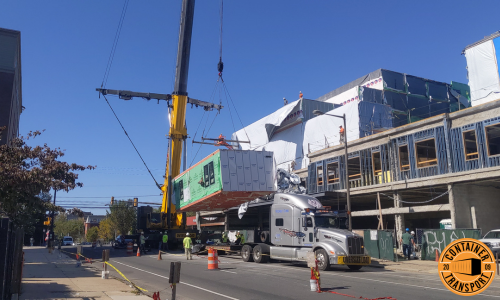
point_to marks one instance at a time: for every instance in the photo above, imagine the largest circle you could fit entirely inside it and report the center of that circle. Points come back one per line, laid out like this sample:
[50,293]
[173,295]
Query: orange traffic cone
[159,255]
[138,251]
[437,255]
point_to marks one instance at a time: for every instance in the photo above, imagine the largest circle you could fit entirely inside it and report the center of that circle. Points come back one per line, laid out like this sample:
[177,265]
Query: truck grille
[355,245]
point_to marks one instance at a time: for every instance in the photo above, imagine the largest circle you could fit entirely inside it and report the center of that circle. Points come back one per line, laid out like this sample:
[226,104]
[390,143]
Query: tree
[27,171]
[92,234]
[106,229]
[123,216]
[74,228]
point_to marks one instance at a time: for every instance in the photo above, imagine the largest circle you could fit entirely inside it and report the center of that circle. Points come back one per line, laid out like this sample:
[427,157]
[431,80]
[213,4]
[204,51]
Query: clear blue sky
[271,50]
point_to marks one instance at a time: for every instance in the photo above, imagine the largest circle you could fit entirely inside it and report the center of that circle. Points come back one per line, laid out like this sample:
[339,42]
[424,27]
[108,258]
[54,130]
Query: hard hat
[187,233]
[407,229]
[142,232]
[412,232]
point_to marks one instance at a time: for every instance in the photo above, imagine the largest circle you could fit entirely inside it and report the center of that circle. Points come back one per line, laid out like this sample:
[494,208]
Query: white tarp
[287,147]
[261,131]
[484,79]
[321,127]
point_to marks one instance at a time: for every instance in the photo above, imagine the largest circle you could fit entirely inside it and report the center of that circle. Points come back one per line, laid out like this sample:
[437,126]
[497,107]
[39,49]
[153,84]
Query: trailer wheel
[354,267]
[246,253]
[323,259]
[258,256]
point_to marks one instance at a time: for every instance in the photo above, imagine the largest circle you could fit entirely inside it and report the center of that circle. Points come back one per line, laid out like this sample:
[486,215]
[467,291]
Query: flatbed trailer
[225,248]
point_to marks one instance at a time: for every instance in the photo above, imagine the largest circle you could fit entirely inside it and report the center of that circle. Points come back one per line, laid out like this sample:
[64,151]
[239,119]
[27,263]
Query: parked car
[68,241]
[492,240]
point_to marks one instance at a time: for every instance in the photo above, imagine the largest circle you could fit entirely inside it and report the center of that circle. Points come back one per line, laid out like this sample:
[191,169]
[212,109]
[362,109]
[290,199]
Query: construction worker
[224,237]
[187,246]
[165,241]
[301,95]
[143,243]
[342,134]
[240,238]
[285,102]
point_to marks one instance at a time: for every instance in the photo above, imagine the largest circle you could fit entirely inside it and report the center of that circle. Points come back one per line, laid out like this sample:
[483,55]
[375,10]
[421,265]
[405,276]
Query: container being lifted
[224,179]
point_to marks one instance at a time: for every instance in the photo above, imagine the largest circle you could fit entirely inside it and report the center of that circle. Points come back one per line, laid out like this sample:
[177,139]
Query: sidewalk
[50,276]
[414,265]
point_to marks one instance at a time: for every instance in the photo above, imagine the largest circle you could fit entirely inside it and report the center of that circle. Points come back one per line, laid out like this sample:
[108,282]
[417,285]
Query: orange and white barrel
[130,249]
[213,259]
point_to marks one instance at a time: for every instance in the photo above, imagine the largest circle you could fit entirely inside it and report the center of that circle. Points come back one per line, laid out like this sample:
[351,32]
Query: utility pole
[348,184]
[51,235]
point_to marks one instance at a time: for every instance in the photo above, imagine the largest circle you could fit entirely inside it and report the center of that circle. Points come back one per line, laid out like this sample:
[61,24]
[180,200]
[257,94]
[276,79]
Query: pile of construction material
[289,183]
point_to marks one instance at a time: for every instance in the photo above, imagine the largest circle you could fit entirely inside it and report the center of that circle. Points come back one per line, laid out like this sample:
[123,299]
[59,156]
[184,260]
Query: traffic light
[136,202]
[112,201]
[48,221]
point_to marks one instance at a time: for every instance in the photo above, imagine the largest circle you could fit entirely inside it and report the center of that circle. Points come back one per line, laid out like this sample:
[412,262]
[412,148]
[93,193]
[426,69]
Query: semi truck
[290,226]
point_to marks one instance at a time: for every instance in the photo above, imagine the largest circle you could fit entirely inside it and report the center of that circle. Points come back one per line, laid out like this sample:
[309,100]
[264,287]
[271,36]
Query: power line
[115,43]
[108,197]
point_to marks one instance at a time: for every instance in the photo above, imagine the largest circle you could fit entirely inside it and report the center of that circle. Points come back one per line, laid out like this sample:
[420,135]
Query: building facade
[10,84]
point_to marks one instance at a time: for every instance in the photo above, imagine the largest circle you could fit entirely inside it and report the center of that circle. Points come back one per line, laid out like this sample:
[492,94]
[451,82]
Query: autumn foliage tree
[26,172]
[106,229]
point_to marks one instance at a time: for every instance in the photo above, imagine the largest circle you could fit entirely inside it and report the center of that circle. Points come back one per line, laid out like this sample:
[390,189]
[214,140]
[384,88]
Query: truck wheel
[354,267]
[246,253]
[263,236]
[323,259]
[258,256]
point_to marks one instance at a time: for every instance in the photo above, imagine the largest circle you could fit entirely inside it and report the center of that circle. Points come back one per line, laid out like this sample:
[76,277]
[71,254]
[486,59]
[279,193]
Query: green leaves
[123,216]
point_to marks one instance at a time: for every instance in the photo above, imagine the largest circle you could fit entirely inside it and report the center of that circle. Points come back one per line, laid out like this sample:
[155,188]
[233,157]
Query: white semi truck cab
[292,225]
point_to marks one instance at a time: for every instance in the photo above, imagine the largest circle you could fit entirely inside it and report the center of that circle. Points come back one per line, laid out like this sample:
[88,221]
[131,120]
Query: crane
[177,101]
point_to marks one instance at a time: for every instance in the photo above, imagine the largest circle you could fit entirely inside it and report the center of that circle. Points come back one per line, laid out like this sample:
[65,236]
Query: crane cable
[131,141]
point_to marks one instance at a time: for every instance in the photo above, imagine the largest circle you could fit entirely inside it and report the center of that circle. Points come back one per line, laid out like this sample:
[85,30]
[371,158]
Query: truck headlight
[340,253]
[497,244]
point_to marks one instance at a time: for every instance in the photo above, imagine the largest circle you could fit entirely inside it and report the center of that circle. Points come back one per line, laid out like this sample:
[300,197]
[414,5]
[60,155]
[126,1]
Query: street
[275,280]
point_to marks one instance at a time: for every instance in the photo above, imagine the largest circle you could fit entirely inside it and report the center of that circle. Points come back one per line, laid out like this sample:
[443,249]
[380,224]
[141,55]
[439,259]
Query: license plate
[354,260]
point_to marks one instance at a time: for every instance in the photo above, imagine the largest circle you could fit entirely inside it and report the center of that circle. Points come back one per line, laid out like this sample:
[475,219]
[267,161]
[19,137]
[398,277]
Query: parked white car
[68,241]
[492,240]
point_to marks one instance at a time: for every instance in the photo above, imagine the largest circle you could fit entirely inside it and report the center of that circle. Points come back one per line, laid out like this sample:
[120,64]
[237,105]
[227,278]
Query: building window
[426,153]
[470,145]
[404,159]
[493,139]
[181,190]
[332,170]
[319,174]
[209,176]
[354,168]
[279,222]
[376,163]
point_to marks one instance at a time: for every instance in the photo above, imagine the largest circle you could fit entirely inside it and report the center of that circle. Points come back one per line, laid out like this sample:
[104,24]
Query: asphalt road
[276,280]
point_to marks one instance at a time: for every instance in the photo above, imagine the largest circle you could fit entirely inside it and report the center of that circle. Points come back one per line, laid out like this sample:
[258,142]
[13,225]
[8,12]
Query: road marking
[397,283]
[203,289]
[227,271]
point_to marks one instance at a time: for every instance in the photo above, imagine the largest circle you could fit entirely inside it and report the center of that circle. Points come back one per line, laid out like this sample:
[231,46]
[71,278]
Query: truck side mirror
[304,222]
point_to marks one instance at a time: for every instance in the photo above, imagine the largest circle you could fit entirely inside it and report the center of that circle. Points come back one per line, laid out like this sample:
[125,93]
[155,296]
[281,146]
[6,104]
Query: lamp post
[348,188]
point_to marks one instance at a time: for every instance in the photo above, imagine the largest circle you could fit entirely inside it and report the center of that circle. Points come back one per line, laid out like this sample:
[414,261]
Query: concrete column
[451,200]
[399,219]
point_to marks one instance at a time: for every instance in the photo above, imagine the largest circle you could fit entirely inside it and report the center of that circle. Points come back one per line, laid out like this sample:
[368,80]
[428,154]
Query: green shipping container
[224,179]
